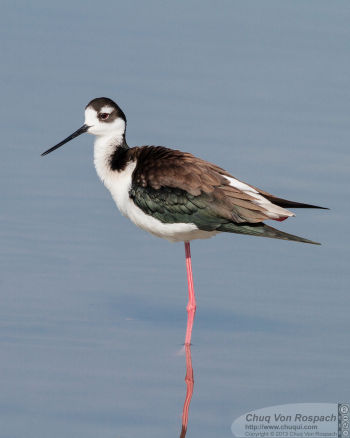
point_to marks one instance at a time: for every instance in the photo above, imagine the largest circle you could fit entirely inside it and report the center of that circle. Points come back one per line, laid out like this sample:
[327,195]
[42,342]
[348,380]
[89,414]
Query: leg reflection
[189,390]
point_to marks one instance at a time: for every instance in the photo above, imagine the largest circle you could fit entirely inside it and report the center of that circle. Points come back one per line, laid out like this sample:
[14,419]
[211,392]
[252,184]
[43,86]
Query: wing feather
[181,187]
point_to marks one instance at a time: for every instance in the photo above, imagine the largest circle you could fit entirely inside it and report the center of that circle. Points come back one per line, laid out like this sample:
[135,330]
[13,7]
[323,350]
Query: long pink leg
[189,390]
[191,306]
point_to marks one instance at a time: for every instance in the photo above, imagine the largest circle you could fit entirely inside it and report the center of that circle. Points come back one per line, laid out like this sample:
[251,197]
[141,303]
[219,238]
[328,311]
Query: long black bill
[79,131]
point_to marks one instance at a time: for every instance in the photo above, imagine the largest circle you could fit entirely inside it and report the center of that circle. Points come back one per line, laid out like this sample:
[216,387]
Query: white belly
[119,184]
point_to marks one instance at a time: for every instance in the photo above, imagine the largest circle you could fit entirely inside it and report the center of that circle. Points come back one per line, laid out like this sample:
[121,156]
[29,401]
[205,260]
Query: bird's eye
[104,116]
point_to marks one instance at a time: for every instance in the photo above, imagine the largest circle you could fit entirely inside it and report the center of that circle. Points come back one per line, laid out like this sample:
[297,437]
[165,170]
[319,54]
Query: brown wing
[159,167]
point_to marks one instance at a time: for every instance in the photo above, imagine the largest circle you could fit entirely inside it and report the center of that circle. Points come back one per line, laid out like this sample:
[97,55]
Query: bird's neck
[107,153]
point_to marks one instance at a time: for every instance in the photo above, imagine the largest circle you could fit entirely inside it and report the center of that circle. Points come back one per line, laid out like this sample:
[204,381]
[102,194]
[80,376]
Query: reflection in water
[189,390]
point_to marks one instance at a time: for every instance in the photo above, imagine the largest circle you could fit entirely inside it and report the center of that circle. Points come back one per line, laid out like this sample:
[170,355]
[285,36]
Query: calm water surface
[92,309]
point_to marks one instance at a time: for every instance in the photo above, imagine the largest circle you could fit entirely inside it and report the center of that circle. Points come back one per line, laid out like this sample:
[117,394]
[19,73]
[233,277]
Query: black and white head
[103,118]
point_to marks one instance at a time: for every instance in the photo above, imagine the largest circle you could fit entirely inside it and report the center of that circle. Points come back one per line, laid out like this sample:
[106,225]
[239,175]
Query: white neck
[104,147]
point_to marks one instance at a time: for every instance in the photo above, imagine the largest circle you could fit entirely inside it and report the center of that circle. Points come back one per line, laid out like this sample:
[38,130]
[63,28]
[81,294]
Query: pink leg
[191,306]
[189,384]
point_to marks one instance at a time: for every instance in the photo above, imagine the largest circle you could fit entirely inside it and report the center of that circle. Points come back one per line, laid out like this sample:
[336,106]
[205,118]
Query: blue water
[92,310]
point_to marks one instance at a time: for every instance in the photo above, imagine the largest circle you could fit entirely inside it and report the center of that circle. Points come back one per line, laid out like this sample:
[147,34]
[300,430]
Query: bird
[176,195]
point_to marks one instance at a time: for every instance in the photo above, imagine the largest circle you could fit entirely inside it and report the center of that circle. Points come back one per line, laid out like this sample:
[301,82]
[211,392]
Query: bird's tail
[262,230]
[285,203]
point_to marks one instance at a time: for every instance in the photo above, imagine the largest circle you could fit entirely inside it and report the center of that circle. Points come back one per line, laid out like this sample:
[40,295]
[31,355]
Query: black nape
[120,156]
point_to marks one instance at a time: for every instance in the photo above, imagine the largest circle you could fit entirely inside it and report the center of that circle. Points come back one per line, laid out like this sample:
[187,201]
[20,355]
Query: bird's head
[103,118]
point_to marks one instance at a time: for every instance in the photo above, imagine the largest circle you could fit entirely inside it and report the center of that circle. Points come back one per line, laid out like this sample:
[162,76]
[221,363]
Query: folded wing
[164,175]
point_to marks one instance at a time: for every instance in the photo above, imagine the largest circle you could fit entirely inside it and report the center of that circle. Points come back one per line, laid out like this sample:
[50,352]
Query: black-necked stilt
[175,195]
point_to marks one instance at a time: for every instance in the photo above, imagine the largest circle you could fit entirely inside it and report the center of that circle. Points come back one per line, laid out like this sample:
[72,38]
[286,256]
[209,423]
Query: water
[92,309]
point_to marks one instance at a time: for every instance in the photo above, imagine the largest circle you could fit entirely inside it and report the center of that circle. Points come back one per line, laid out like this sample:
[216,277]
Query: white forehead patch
[90,116]
[106,109]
